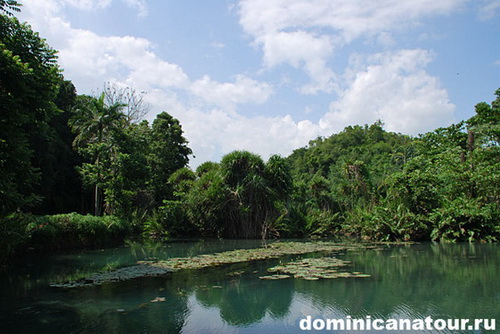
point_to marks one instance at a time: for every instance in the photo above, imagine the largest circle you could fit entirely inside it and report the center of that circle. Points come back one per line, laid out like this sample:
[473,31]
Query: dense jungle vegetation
[87,171]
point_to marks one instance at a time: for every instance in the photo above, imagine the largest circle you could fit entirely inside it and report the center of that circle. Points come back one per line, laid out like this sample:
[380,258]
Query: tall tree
[95,124]
[207,201]
[486,122]
[254,188]
[29,78]
[127,185]
[54,156]
[168,152]
[135,105]
[243,175]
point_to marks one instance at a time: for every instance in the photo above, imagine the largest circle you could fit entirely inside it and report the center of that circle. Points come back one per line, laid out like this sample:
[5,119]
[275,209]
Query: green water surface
[449,281]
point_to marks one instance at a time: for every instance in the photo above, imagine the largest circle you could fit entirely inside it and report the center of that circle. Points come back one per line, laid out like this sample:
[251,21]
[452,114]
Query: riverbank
[22,233]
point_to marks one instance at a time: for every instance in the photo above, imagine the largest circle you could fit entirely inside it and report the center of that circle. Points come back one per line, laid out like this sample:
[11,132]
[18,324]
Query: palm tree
[94,123]
[255,188]
[280,183]
[9,6]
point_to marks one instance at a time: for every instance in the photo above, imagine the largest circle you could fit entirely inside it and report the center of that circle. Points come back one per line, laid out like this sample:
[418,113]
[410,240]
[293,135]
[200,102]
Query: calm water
[443,281]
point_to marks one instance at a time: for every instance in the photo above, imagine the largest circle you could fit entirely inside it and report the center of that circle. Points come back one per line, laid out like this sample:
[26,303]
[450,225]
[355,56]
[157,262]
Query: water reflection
[438,280]
[243,302]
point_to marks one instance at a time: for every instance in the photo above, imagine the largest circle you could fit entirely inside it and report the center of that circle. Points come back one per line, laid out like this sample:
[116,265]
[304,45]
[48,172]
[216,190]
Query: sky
[268,76]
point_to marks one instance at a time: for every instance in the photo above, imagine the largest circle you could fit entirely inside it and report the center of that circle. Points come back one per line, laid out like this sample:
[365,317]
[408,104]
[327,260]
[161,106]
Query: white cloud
[351,18]
[87,4]
[148,70]
[243,90]
[93,5]
[306,33]
[293,47]
[217,132]
[90,59]
[392,86]
[395,88]
[300,50]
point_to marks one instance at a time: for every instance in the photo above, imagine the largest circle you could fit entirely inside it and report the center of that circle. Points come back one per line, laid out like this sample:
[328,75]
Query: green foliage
[253,188]
[168,152]
[240,197]
[461,220]
[395,223]
[19,232]
[69,231]
[486,122]
[418,189]
[368,183]
[128,165]
[205,167]
[14,234]
[96,126]
[126,186]
[181,181]
[171,220]
[207,203]
[363,182]
[29,79]
[60,185]
[442,139]
[323,224]
[9,6]
[336,176]
[154,227]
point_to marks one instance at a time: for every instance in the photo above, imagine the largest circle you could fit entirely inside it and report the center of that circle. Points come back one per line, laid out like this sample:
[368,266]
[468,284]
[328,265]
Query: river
[441,281]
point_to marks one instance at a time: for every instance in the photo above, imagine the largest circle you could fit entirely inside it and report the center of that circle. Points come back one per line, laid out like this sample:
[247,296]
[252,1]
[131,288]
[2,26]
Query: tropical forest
[80,173]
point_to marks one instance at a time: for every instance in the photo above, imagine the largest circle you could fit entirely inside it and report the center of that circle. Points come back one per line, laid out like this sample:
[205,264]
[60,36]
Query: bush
[465,220]
[14,234]
[67,231]
[323,224]
[169,220]
[387,223]
[398,223]
[154,227]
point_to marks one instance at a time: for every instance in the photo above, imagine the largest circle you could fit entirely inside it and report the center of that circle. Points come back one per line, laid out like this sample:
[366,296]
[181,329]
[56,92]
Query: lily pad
[315,268]
[363,275]
[275,277]
[165,267]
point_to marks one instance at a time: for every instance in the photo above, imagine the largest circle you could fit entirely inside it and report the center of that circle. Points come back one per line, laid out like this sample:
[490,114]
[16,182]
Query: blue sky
[270,75]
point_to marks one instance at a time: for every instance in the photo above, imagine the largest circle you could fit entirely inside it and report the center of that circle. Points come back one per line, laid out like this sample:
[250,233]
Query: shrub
[465,220]
[323,224]
[386,223]
[170,219]
[14,234]
[65,231]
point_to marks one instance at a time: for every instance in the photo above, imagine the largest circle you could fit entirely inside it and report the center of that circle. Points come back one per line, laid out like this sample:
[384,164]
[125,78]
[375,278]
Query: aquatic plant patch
[313,269]
[270,251]
[122,274]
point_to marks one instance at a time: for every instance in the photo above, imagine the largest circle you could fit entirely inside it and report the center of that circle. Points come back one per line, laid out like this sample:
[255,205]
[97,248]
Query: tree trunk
[97,201]
[470,146]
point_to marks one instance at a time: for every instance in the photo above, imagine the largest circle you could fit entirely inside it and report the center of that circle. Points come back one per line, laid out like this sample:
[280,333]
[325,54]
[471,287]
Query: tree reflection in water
[438,280]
